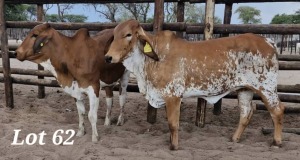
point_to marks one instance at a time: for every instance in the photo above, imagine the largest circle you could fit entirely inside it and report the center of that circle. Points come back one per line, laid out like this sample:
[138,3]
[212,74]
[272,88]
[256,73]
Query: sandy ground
[137,139]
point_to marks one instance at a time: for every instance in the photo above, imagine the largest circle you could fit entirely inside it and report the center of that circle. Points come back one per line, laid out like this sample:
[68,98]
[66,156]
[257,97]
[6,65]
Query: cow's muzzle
[15,53]
[108,59]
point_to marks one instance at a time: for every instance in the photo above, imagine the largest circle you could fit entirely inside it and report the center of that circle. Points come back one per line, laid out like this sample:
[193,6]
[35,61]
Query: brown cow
[209,69]
[78,65]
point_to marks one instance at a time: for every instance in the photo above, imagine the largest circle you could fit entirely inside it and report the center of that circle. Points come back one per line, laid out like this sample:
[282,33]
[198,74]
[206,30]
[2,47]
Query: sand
[137,139]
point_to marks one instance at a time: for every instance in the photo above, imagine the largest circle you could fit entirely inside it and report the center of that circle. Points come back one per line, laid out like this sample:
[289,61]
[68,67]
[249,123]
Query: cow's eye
[34,35]
[128,35]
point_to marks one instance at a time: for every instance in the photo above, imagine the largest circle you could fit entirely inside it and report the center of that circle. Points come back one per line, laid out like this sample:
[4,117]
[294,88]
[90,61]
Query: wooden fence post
[5,59]
[40,17]
[157,26]
[208,33]
[180,16]
[227,19]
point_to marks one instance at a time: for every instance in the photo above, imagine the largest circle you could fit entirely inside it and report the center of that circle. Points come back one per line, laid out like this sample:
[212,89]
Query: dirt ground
[137,139]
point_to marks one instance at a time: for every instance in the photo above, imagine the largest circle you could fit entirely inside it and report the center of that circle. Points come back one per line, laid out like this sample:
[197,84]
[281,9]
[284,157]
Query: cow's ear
[108,43]
[39,43]
[147,41]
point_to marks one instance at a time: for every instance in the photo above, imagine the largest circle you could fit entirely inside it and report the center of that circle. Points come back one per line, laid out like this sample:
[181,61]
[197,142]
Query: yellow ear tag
[147,48]
[42,44]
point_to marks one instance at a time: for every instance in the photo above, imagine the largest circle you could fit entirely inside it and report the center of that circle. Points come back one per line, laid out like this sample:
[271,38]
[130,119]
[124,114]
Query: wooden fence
[287,62]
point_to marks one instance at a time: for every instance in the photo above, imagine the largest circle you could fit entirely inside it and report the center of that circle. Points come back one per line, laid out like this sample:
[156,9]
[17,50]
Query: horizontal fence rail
[295,98]
[283,65]
[189,28]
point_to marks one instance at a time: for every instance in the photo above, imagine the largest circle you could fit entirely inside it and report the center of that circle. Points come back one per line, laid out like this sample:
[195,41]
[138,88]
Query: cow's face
[34,46]
[128,36]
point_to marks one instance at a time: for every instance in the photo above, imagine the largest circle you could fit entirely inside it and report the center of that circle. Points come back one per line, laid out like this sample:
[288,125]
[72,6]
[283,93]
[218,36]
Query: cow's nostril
[108,59]
[15,53]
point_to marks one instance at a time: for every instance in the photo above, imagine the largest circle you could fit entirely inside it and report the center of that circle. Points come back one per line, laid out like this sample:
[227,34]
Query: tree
[62,10]
[248,15]
[170,12]
[67,18]
[194,13]
[286,18]
[108,10]
[138,11]
[15,12]
[31,12]
[75,18]
[282,19]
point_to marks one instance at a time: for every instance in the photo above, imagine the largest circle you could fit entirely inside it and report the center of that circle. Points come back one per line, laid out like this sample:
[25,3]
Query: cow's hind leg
[173,114]
[93,117]
[246,112]
[109,103]
[81,113]
[276,109]
[122,97]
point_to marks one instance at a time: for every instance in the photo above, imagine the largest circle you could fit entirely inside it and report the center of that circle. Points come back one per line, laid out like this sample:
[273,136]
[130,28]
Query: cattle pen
[287,62]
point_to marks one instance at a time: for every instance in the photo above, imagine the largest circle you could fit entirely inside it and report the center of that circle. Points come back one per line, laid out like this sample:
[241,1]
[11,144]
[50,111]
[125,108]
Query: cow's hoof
[173,147]
[80,133]
[235,140]
[277,144]
[120,121]
[107,122]
[95,139]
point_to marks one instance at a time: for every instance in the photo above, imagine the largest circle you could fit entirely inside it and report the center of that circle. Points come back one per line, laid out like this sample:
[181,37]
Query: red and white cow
[169,68]
[78,65]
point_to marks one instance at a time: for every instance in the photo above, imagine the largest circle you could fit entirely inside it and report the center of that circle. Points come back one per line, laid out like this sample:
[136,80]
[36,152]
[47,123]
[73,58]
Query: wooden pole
[190,28]
[281,45]
[208,33]
[227,18]
[209,19]
[136,1]
[40,17]
[31,72]
[201,110]
[287,109]
[286,130]
[5,59]
[157,26]
[180,16]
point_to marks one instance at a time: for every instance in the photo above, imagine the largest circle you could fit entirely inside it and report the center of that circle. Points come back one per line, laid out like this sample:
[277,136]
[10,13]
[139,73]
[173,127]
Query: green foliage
[194,13]
[75,18]
[286,18]
[248,15]
[15,12]
[66,18]
[31,11]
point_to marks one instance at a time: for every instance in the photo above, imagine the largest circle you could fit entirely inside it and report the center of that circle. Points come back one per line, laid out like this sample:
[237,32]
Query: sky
[268,11]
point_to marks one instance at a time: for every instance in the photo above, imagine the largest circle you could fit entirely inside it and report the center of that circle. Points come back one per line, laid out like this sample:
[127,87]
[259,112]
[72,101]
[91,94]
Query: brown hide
[208,56]
[209,69]
[79,58]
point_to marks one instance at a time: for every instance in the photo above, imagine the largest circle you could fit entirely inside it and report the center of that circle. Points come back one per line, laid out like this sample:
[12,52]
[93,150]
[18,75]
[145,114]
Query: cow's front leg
[109,103]
[81,113]
[173,114]
[122,97]
[94,104]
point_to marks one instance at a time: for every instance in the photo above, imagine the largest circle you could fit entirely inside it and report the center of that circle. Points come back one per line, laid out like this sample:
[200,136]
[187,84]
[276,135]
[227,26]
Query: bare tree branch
[110,11]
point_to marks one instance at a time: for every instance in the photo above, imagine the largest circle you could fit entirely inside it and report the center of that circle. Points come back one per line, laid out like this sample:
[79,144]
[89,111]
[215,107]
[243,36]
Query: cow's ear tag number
[147,48]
